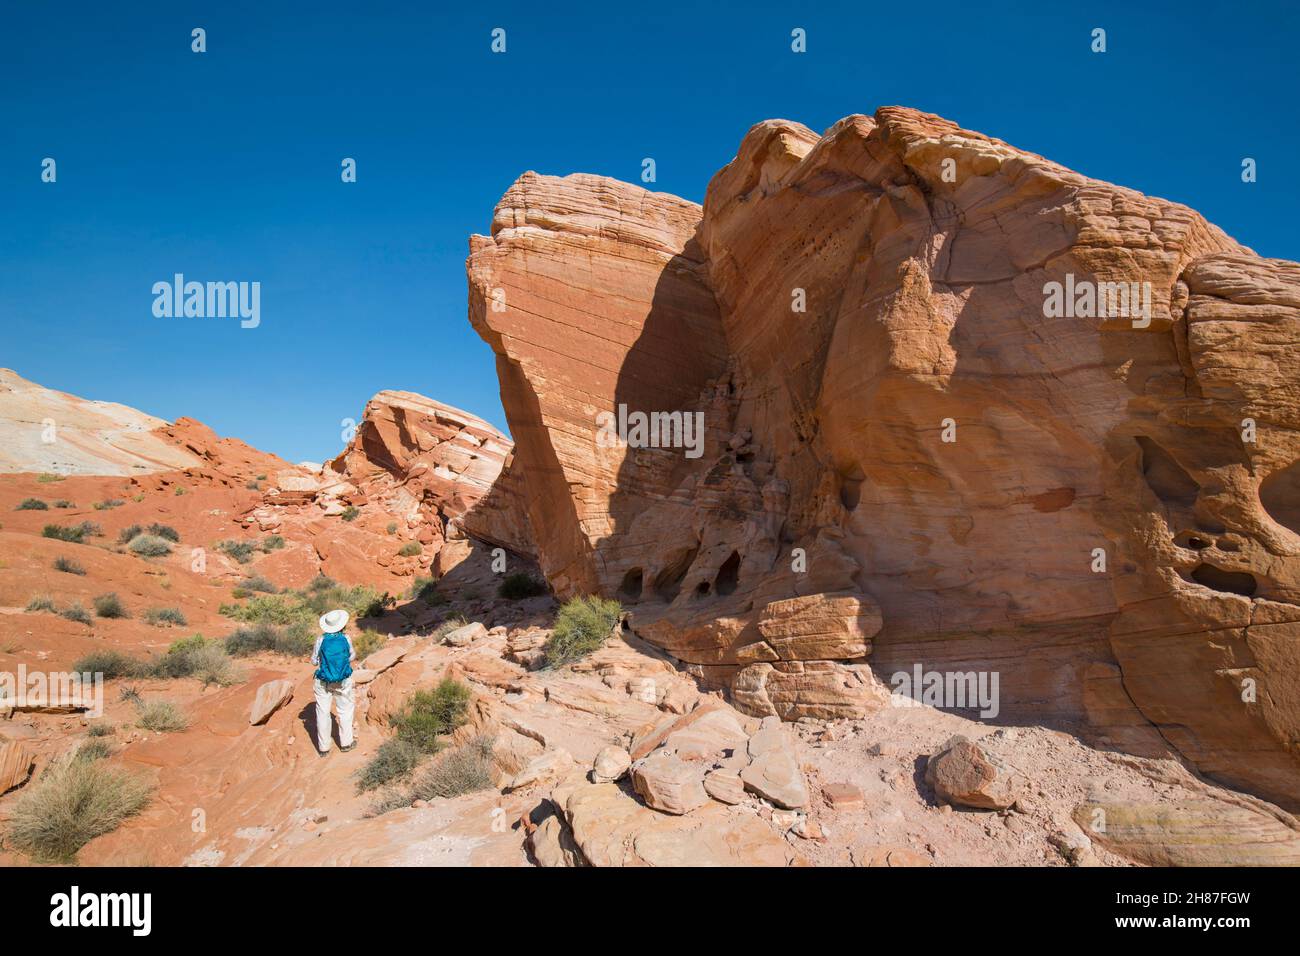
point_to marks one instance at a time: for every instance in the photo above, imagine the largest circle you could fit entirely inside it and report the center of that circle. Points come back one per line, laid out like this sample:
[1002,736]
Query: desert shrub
[100,730]
[130,695]
[164,531]
[256,582]
[426,590]
[68,566]
[410,549]
[75,533]
[73,802]
[261,477]
[291,641]
[75,612]
[321,583]
[394,759]
[32,504]
[466,768]
[273,542]
[164,616]
[392,527]
[350,513]
[94,750]
[197,657]
[367,642]
[46,477]
[162,717]
[150,546]
[253,485]
[429,714]
[108,503]
[110,606]
[41,602]
[64,503]
[180,490]
[129,532]
[241,551]
[112,664]
[137,498]
[521,585]
[581,627]
[446,626]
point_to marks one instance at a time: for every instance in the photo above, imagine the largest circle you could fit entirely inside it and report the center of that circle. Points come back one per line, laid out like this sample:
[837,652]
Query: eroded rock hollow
[911,454]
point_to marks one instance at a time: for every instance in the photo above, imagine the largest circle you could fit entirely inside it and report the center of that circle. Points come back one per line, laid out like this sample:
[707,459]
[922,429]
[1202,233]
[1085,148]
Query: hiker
[333,656]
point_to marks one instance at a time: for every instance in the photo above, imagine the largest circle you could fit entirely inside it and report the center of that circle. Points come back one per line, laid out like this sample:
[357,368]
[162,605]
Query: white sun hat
[332,621]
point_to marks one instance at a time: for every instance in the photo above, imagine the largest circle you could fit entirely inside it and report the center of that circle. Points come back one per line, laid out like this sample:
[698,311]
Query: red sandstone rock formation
[911,454]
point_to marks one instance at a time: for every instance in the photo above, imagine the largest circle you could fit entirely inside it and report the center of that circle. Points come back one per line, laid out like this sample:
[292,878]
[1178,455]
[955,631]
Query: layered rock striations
[961,407]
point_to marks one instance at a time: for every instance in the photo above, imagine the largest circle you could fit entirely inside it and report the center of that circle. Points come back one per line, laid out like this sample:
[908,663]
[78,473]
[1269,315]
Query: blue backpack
[335,652]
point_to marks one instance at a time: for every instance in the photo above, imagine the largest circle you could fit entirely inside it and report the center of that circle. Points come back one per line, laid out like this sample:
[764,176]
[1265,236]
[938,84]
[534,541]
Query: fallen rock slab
[773,772]
[271,696]
[964,774]
[669,784]
[16,764]
[1192,832]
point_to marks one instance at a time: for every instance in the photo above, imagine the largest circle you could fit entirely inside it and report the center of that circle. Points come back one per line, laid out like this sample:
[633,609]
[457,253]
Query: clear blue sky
[225,165]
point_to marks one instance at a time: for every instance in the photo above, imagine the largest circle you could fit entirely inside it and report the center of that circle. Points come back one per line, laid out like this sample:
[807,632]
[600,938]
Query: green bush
[46,477]
[426,590]
[164,531]
[392,527]
[129,532]
[463,769]
[110,606]
[290,641]
[73,802]
[241,551]
[74,533]
[445,627]
[521,585]
[410,549]
[108,503]
[162,717]
[100,730]
[258,583]
[68,566]
[350,513]
[41,602]
[32,504]
[321,583]
[581,627]
[94,750]
[164,616]
[429,714]
[64,503]
[150,546]
[75,612]
[394,759]
[197,657]
[179,491]
[367,642]
[253,486]
[112,664]
[271,543]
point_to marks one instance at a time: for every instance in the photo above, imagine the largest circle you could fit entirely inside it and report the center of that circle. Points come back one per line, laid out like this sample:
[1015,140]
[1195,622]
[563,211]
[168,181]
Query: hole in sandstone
[1280,496]
[728,575]
[1229,544]
[702,589]
[668,582]
[631,586]
[851,488]
[1231,582]
[1168,479]
[1186,539]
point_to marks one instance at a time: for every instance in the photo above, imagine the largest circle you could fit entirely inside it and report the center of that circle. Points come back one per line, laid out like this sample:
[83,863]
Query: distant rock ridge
[913,454]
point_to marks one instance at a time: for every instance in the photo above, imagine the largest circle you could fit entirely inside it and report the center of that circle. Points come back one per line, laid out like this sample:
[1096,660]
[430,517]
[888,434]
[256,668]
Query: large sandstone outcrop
[909,455]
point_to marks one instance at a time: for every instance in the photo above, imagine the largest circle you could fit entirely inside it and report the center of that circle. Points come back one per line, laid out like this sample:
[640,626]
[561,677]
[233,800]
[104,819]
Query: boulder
[774,772]
[669,784]
[464,636]
[725,786]
[611,764]
[271,696]
[964,774]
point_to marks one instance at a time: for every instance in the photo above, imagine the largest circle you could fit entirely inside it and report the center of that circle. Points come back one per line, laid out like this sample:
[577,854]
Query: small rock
[610,765]
[843,796]
[725,786]
[964,774]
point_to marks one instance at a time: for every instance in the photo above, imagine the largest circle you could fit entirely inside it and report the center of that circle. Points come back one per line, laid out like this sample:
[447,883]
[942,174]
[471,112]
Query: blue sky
[225,165]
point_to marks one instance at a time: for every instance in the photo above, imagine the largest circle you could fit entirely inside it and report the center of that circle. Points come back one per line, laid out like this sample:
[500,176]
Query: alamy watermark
[35,689]
[209,300]
[1086,299]
[946,690]
[651,430]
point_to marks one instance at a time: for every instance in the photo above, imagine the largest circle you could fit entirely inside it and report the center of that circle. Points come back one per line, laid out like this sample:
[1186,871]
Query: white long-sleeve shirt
[315,651]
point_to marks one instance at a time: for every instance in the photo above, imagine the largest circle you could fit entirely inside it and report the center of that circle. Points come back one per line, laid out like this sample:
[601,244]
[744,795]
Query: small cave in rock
[631,586]
[1192,541]
[702,589]
[1168,479]
[1229,582]
[851,488]
[668,582]
[1280,496]
[728,575]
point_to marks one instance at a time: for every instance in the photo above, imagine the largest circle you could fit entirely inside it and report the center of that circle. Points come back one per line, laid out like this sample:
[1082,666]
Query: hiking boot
[351,746]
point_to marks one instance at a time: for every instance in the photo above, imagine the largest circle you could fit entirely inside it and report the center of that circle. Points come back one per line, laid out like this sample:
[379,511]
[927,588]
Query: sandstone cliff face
[909,455]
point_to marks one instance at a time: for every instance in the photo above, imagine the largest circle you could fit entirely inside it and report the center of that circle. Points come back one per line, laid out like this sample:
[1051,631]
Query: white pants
[341,695]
